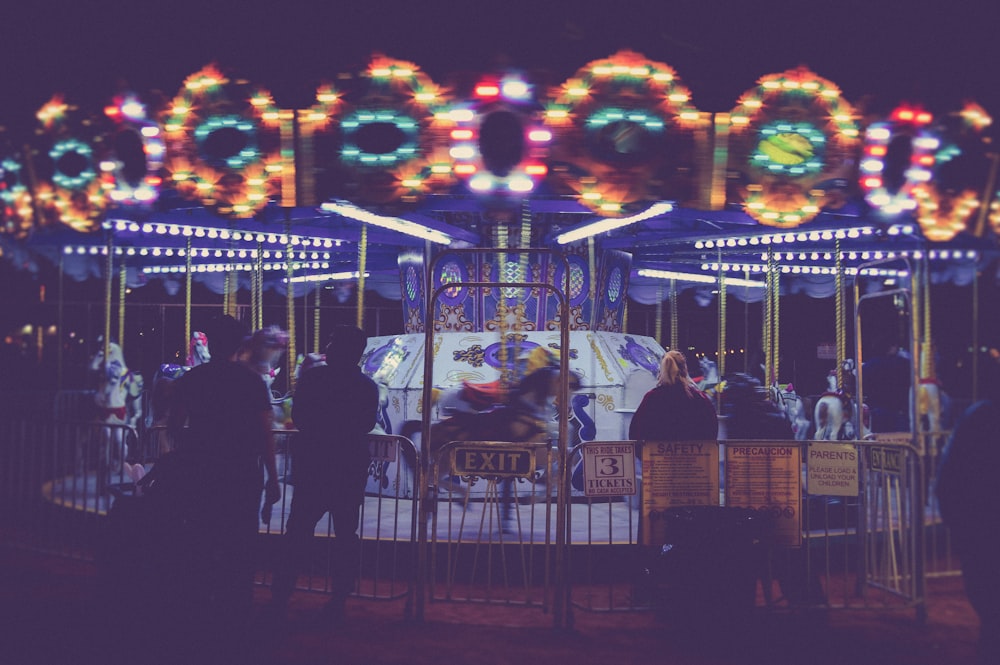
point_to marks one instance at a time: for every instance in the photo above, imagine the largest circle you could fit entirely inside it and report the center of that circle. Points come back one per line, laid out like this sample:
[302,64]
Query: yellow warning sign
[767,478]
[677,473]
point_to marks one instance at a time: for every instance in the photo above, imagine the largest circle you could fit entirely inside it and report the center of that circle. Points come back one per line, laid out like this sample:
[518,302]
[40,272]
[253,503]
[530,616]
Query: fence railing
[490,533]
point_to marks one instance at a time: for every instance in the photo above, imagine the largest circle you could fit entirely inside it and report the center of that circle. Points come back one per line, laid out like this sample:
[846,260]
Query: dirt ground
[49,616]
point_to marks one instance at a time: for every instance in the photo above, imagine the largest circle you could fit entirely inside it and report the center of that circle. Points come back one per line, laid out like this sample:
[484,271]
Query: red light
[154,180]
[487,90]
[536,169]
[112,111]
[465,169]
[872,183]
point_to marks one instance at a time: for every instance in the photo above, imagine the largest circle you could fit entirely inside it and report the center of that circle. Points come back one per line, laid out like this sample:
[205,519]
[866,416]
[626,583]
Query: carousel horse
[792,406]
[527,414]
[118,403]
[834,410]
[160,394]
[709,374]
[262,353]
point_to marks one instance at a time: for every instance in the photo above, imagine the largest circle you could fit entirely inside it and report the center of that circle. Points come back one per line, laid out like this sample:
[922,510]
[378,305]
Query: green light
[406,150]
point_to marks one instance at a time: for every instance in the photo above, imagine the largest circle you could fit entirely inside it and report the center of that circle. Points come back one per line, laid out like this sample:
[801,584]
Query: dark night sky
[937,53]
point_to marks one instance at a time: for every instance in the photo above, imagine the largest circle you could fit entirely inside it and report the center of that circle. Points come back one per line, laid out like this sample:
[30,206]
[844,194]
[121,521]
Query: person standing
[887,389]
[221,422]
[675,410]
[334,406]
[970,506]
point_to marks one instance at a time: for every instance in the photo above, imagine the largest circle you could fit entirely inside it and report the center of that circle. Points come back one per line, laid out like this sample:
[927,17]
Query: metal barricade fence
[491,539]
[941,558]
[59,479]
[861,551]
[387,522]
[491,524]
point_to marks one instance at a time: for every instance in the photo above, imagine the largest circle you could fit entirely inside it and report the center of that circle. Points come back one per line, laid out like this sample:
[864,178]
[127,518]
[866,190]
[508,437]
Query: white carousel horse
[834,410]
[262,353]
[118,403]
[709,374]
[792,406]
[263,350]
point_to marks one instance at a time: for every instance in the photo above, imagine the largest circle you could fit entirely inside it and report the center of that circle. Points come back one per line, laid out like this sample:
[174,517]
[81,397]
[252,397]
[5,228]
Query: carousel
[516,226]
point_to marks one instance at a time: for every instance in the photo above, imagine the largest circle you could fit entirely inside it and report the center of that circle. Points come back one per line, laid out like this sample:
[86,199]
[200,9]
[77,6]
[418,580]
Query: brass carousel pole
[187,297]
[673,315]
[122,283]
[659,315]
[316,312]
[362,265]
[109,269]
[290,355]
[721,353]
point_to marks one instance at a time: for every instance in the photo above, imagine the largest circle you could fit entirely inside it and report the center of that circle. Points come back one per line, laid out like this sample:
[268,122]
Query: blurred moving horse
[527,414]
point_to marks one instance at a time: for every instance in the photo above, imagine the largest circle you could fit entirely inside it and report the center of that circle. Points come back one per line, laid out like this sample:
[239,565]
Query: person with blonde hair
[675,410]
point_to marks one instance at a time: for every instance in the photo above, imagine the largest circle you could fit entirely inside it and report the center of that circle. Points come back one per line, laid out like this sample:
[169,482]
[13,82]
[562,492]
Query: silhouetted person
[675,410]
[334,406]
[970,506]
[887,389]
[226,447]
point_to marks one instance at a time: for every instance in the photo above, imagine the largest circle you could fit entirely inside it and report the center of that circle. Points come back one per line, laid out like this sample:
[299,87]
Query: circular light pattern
[622,108]
[498,146]
[17,212]
[215,144]
[393,141]
[790,136]
[789,148]
[357,150]
[238,158]
[888,191]
[74,164]
[126,182]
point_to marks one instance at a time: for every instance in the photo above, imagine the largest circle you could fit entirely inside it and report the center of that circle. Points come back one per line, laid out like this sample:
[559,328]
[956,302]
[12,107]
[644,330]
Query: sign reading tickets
[677,473]
[832,469]
[767,478]
[609,469]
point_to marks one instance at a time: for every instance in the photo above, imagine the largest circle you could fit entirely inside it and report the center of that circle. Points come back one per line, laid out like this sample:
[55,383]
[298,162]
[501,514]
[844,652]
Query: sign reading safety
[609,469]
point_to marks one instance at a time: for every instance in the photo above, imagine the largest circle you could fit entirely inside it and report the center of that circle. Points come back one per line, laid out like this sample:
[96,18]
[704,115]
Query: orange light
[536,169]
[461,134]
[112,111]
[877,151]
[487,90]
[904,114]
[154,180]
[923,118]
[465,169]
[873,182]
[926,160]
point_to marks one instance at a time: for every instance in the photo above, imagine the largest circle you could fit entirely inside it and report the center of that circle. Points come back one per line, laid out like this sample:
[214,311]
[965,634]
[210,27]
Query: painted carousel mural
[611,187]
